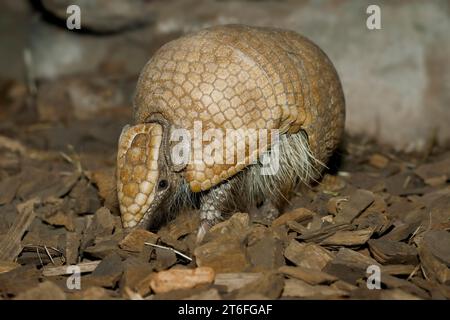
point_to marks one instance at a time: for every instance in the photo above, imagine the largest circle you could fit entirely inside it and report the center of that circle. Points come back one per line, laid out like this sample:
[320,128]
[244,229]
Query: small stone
[142,286]
[298,215]
[105,180]
[439,243]
[232,281]
[433,266]
[177,279]
[106,17]
[301,289]
[103,248]
[19,280]
[93,293]
[393,252]
[136,239]
[392,282]
[332,184]
[398,269]
[266,253]
[378,161]
[348,208]
[8,188]
[343,285]
[348,238]
[307,255]
[102,225]
[6,266]
[134,272]
[86,197]
[434,173]
[270,285]
[223,255]
[164,259]
[235,227]
[107,273]
[349,265]
[44,291]
[210,294]
[311,276]
[377,221]
[184,224]
[223,248]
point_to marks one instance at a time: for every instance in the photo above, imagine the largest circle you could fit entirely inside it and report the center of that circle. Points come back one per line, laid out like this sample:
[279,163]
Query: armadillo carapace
[227,78]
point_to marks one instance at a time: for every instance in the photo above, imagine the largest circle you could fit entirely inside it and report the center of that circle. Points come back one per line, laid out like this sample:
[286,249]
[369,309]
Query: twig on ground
[46,250]
[65,270]
[10,245]
[168,248]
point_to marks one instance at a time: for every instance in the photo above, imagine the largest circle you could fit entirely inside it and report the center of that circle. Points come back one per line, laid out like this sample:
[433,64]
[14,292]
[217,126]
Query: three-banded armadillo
[227,77]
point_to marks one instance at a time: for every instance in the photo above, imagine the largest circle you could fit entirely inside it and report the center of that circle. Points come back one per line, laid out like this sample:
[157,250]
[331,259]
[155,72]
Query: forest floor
[375,227]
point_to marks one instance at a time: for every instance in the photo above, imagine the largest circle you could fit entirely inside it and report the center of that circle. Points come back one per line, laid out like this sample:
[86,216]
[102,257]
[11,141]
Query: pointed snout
[137,170]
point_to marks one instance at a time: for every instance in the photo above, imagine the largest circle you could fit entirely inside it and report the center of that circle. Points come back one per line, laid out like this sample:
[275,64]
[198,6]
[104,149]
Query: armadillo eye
[163,184]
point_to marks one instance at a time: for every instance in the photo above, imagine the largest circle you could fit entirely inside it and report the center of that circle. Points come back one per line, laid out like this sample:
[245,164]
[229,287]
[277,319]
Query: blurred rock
[185,223]
[102,225]
[164,259]
[233,281]
[224,248]
[81,97]
[93,293]
[210,294]
[14,21]
[44,291]
[435,257]
[266,253]
[349,265]
[307,255]
[311,276]
[223,255]
[57,52]
[136,239]
[399,74]
[301,289]
[105,179]
[107,273]
[6,266]
[298,215]
[234,228]
[135,271]
[392,252]
[104,15]
[270,286]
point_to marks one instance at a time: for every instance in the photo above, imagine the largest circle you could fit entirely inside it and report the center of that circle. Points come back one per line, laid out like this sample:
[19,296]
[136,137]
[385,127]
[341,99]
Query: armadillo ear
[173,159]
[177,167]
[173,163]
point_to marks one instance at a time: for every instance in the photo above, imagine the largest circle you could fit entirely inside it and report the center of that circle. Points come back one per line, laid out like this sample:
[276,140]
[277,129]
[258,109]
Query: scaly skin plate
[240,77]
[228,77]
[137,170]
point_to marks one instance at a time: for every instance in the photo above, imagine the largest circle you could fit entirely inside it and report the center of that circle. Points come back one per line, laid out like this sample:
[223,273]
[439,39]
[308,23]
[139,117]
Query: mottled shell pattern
[236,77]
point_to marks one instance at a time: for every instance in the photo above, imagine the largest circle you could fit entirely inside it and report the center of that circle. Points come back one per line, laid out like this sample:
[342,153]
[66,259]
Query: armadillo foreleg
[212,205]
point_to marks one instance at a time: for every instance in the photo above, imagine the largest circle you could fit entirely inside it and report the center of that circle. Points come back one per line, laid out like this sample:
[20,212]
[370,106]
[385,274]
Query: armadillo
[227,77]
